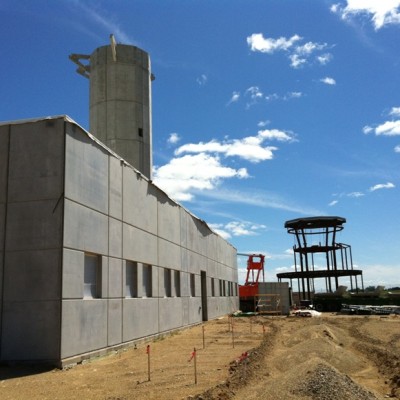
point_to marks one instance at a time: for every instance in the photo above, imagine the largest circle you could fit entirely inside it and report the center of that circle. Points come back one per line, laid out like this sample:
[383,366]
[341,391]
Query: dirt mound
[327,383]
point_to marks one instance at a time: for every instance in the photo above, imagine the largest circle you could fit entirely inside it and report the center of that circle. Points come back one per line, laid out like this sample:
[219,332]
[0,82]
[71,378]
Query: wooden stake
[148,362]
[195,366]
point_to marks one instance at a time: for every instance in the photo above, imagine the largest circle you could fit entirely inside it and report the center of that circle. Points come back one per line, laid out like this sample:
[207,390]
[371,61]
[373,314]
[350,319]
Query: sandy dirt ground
[321,358]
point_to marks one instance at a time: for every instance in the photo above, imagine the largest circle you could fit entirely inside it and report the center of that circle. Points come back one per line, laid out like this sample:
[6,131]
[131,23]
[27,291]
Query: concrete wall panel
[115,278]
[169,254]
[104,277]
[139,245]
[33,225]
[168,219]
[114,322]
[140,318]
[115,187]
[115,238]
[185,284]
[83,327]
[139,202]
[196,262]
[279,288]
[195,311]
[170,320]
[73,267]
[31,331]
[36,161]
[86,170]
[155,281]
[32,275]
[85,229]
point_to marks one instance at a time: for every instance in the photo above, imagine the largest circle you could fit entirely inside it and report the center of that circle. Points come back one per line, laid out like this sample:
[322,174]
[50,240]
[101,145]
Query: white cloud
[397,149]
[275,134]
[368,129]
[255,95]
[293,95]
[219,228]
[249,148]
[260,199]
[262,124]
[202,80]
[234,98]
[257,42]
[243,228]
[380,186]
[173,138]
[254,92]
[309,47]
[106,22]
[355,194]
[388,128]
[386,275]
[328,81]
[333,202]
[285,97]
[272,96]
[395,111]
[324,59]
[381,12]
[296,61]
[299,53]
[190,173]
[197,166]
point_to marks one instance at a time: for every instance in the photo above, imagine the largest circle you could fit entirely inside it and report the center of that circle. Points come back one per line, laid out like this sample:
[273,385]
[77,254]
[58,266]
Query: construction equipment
[255,266]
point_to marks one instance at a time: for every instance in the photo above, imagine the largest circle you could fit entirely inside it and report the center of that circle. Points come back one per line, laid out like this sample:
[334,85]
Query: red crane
[255,265]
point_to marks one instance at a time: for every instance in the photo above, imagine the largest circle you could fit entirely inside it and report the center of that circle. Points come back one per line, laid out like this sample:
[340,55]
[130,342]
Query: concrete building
[93,256]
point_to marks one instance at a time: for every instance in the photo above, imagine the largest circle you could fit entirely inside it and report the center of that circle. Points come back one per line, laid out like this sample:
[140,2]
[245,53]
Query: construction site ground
[323,358]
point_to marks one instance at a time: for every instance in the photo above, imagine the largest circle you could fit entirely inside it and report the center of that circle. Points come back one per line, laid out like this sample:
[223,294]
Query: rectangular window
[192,285]
[167,282]
[212,287]
[177,283]
[131,282]
[220,287]
[92,277]
[147,281]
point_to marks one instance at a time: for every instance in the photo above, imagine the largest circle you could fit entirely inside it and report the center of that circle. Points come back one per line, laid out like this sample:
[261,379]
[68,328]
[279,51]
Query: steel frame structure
[337,256]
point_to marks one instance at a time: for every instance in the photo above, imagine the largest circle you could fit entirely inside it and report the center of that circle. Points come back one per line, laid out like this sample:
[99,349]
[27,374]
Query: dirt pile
[327,383]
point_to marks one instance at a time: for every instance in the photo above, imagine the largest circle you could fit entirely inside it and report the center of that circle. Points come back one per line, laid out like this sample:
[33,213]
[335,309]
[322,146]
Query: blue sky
[263,110]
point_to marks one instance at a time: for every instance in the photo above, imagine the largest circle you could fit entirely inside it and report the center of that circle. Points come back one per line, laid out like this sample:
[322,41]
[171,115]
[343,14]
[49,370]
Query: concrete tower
[120,100]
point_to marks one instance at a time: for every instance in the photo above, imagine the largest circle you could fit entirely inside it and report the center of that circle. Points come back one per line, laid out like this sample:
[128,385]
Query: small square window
[167,282]
[131,283]
[192,285]
[147,281]
[92,277]
[177,283]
